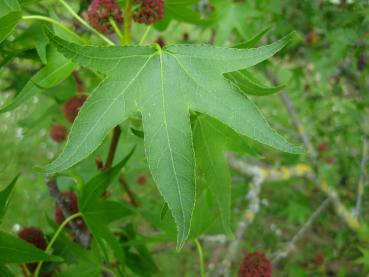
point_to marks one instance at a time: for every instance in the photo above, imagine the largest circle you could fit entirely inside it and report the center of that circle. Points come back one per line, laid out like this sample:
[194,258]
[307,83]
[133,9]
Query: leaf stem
[127,23]
[56,23]
[142,40]
[53,239]
[113,147]
[84,23]
[201,257]
[26,270]
[116,29]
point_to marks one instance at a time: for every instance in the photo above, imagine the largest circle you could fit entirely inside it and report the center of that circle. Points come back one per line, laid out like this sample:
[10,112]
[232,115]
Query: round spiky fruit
[100,11]
[36,237]
[255,265]
[148,11]
[72,107]
[58,133]
[71,201]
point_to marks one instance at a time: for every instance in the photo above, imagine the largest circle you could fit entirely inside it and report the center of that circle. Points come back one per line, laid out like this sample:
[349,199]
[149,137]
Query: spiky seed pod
[71,201]
[100,11]
[36,237]
[149,11]
[72,107]
[255,265]
[58,133]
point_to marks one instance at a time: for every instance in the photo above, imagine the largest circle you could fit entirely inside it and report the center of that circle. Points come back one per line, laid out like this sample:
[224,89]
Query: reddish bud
[330,160]
[318,259]
[71,201]
[255,265]
[141,180]
[323,147]
[36,237]
[149,11]
[160,41]
[72,107]
[311,38]
[58,133]
[100,11]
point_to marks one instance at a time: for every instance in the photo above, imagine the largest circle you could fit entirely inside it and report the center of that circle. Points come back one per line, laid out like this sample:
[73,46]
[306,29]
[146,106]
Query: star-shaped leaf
[164,85]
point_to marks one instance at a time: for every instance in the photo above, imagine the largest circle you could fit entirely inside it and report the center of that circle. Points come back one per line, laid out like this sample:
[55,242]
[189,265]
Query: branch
[340,208]
[113,147]
[290,246]
[131,196]
[82,237]
[259,175]
[361,183]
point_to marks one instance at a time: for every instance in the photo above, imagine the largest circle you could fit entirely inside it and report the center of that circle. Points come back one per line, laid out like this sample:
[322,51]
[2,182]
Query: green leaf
[248,84]
[211,140]
[86,263]
[5,272]
[5,196]
[15,250]
[254,40]
[10,14]
[228,16]
[180,10]
[98,213]
[164,85]
[57,69]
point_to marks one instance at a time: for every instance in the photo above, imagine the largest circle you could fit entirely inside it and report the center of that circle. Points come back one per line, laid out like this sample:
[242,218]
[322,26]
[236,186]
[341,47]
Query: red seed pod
[318,259]
[323,147]
[255,265]
[72,107]
[71,201]
[149,11]
[330,160]
[100,11]
[58,133]
[36,237]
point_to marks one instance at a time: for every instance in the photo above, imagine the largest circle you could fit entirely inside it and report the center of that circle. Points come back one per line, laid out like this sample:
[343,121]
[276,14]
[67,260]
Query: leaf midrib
[169,144]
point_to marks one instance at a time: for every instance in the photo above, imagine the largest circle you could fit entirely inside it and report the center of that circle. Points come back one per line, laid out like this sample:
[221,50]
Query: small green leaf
[247,84]
[5,196]
[98,213]
[10,14]
[5,272]
[15,250]
[254,40]
[211,140]
[57,69]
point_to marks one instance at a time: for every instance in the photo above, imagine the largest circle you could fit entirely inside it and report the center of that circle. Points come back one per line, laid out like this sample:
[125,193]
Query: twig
[361,183]
[248,215]
[340,208]
[131,196]
[259,175]
[81,237]
[300,127]
[290,246]
[113,147]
